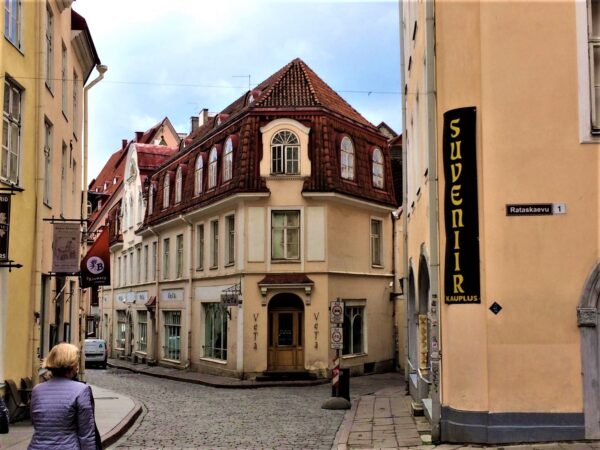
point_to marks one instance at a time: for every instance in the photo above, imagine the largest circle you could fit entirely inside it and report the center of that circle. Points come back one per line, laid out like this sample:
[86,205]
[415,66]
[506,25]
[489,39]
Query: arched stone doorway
[286,333]
[587,320]
[424,345]
[413,337]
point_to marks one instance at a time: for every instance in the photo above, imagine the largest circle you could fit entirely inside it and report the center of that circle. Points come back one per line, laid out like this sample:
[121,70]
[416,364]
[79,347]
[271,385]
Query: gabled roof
[150,156]
[150,135]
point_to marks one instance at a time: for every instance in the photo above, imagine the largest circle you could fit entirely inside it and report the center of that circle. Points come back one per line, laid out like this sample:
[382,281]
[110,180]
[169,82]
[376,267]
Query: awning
[151,303]
[286,281]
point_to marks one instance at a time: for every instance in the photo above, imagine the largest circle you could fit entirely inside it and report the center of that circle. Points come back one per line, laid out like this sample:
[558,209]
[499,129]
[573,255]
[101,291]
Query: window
[198,175]
[63,178]
[230,239]
[285,235]
[215,329]
[166,245]
[11,132]
[119,280]
[153,261]
[145,269]
[124,216]
[179,256]
[594,55]
[228,160]
[140,207]
[353,330]
[172,334]
[212,168]
[130,212]
[49,48]
[378,168]
[75,101]
[214,244]
[347,158]
[63,75]
[74,189]
[150,199]
[200,244]
[12,21]
[142,343]
[166,191]
[138,260]
[126,274]
[285,149]
[121,329]
[47,162]
[178,184]
[376,226]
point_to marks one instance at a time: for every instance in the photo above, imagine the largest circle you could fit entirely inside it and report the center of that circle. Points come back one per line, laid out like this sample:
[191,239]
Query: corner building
[277,205]
[515,360]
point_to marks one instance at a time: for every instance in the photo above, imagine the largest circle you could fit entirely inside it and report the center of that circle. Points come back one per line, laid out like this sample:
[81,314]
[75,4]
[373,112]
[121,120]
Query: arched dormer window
[178,184]
[198,175]
[130,213]
[347,158]
[150,199]
[140,206]
[285,149]
[212,168]
[377,159]
[166,191]
[228,160]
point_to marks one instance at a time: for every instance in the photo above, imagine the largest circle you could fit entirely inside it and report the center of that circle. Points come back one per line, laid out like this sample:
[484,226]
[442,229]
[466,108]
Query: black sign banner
[4,226]
[461,275]
[95,266]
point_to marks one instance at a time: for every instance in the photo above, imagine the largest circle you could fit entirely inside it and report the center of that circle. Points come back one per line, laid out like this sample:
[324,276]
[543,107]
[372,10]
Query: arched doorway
[424,352]
[286,333]
[413,338]
[587,320]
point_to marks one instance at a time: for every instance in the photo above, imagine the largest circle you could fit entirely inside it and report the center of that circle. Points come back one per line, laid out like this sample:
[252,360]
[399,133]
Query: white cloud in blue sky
[175,58]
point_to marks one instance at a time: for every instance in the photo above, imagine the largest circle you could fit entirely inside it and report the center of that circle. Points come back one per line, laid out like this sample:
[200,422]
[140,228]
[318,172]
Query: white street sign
[337,338]
[336,312]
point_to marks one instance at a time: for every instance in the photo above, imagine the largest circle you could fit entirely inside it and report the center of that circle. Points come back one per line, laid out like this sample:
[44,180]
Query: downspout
[396,293]
[434,307]
[190,296]
[404,202]
[157,287]
[101,68]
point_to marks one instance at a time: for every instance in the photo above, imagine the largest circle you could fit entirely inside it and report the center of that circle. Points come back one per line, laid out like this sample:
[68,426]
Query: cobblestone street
[183,415]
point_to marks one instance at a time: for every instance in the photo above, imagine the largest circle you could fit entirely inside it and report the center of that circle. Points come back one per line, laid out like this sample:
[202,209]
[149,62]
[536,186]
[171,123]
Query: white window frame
[12,22]
[172,328]
[178,184]
[347,156]
[212,168]
[11,130]
[166,190]
[49,48]
[165,262]
[214,243]
[75,102]
[153,261]
[376,243]
[63,178]
[215,310]
[285,229]
[150,199]
[198,175]
[121,334]
[48,137]
[285,151]
[378,165]
[200,246]
[145,270]
[142,341]
[228,160]
[179,256]
[349,306]
[64,79]
[230,236]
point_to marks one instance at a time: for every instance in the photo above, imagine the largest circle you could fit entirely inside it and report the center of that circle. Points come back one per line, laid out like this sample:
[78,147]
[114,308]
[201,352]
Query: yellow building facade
[45,59]
[517,360]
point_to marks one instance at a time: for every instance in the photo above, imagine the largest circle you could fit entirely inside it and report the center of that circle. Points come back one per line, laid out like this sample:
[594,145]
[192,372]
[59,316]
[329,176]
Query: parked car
[96,352]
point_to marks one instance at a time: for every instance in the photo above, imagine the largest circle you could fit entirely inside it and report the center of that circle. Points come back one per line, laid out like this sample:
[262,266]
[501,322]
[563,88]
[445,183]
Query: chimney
[123,143]
[138,135]
[204,116]
[195,123]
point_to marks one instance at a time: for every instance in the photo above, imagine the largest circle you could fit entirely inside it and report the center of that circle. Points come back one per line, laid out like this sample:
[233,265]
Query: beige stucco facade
[531,148]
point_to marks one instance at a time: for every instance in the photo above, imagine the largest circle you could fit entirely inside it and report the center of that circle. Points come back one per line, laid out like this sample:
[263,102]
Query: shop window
[353,330]
[172,335]
[215,329]
[121,329]
[142,343]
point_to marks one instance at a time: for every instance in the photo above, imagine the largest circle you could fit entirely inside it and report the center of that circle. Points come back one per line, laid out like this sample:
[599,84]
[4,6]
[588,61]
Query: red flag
[95,267]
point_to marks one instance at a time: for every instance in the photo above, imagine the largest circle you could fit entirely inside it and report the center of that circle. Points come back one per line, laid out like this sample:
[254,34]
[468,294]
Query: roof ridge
[282,72]
[303,67]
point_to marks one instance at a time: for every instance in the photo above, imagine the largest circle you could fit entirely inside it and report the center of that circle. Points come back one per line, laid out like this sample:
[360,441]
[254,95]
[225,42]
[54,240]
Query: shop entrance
[286,337]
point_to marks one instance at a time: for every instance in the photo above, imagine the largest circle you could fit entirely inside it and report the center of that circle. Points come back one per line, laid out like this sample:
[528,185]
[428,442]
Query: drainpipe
[101,68]
[190,296]
[157,287]
[395,216]
[434,306]
[404,205]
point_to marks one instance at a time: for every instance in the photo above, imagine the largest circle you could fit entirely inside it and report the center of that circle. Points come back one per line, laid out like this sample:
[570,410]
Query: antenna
[243,76]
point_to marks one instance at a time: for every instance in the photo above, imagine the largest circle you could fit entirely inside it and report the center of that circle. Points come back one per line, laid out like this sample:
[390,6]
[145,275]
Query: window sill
[8,182]
[172,361]
[199,269]
[47,205]
[285,261]
[376,266]
[49,88]
[213,360]
[75,137]
[230,264]
[354,355]
[213,268]
[17,48]
[65,116]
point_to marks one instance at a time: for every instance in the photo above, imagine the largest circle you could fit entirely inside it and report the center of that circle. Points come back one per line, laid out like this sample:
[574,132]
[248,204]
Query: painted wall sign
[65,247]
[141,296]
[122,298]
[461,278]
[536,209]
[230,299]
[171,294]
[4,226]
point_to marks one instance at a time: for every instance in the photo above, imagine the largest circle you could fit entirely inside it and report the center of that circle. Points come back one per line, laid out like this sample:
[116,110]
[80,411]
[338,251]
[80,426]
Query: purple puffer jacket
[62,413]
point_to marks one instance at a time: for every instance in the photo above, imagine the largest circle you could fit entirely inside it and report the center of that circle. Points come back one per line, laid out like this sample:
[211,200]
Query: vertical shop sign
[95,266]
[4,226]
[461,279]
[65,247]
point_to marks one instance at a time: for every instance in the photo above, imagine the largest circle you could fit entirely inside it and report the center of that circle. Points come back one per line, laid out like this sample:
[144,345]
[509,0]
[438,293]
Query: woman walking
[62,410]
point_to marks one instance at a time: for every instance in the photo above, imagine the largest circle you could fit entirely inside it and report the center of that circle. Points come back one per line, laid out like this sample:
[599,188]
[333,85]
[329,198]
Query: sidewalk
[115,413]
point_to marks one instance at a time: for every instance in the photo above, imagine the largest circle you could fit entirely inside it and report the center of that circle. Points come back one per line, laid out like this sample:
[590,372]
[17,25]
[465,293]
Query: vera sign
[461,277]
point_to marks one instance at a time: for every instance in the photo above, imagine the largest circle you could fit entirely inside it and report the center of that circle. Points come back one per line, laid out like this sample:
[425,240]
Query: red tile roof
[150,156]
[285,278]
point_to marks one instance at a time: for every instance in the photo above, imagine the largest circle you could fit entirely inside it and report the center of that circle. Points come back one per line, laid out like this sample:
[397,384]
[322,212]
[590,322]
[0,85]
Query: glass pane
[293,241]
[5,133]
[357,340]
[293,219]
[4,169]
[595,18]
[286,329]
[16,104]
[6,103]
[277,244]
[278,220]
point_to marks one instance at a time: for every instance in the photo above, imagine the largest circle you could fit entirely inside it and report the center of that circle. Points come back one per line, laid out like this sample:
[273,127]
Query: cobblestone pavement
[182,415]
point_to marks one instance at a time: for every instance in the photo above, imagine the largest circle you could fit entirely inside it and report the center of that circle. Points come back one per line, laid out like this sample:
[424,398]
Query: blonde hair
[62,359]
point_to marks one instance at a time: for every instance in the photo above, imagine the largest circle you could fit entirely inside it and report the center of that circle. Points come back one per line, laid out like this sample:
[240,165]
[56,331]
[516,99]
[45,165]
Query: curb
[240,385]
[122,427]
[341,437]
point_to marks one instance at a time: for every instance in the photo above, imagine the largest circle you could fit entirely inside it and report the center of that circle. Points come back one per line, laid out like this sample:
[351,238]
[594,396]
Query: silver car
[96,352]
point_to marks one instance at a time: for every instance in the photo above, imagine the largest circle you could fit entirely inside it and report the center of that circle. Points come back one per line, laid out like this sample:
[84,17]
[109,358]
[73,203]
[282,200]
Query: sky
[177,57]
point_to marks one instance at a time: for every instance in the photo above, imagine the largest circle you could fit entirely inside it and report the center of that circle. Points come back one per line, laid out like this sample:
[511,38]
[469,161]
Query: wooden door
[286,351]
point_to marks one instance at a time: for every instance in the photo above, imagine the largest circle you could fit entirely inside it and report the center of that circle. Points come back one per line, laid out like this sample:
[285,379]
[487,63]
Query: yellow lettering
[455,150]
[455,195]
[457,218]
[455,128]
[458,281]
[457,261]
[456,170]
[456,240]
